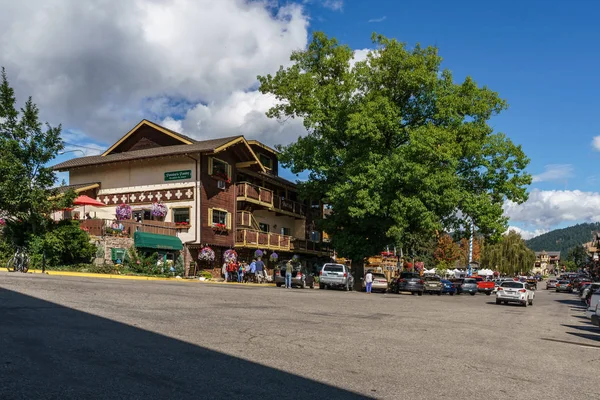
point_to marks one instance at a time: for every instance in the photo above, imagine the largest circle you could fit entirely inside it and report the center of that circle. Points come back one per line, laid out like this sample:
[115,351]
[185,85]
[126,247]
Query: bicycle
[18,262]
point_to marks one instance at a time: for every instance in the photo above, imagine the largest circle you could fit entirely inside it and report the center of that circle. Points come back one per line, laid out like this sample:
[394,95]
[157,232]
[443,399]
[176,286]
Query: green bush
[206,274]
[64,244]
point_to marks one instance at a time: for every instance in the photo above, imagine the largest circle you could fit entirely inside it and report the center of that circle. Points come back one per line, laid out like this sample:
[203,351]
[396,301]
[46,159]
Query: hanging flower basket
[159,210]
[274,257]
[206,254]
[259,253]
[123,211]
[230,256]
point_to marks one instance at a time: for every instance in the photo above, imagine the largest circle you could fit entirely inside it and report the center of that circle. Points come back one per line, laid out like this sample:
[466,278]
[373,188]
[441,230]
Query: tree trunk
[358,271]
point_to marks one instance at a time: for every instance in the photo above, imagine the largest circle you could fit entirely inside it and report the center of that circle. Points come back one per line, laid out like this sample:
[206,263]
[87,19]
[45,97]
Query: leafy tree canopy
[394,145]
[509,255]
[26,148]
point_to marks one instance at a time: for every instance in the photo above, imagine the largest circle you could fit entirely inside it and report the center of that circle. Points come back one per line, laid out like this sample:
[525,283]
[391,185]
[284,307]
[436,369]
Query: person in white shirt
[369,281]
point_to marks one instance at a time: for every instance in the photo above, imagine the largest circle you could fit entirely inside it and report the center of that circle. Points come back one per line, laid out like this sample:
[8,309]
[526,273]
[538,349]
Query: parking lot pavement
[75,338]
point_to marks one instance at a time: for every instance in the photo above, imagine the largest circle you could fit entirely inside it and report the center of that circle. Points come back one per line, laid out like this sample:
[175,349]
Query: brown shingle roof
[205,146]
[64,189]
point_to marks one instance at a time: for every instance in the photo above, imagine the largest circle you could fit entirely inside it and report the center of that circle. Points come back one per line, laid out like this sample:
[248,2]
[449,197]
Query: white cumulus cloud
[547,208]
[99,67]
[596,143]
[527,234]
[554,172]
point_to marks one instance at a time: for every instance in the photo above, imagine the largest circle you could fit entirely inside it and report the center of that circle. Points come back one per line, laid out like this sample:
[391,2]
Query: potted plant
[123,211]
[220,228]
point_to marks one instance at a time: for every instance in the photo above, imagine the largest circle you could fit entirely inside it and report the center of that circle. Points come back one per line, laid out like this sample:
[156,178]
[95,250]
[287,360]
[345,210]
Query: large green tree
[578,255]
[26,148]
[509,255]
[396,147]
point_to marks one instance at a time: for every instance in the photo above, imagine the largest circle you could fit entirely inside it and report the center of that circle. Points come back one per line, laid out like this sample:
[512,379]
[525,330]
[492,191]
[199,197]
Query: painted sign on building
[178,175]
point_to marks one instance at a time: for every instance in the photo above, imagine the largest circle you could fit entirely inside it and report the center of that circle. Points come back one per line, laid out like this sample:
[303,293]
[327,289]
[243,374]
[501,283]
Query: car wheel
[420,293]
[278,284]
[451,293]
[498,301]
[487,293]
[321,286]
[413,293]
[472,294]
[439,293]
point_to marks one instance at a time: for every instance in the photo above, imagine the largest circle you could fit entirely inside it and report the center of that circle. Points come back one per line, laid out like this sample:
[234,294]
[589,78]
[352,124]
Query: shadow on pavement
[572,302]
[590,328]
[595,337]
[48,351]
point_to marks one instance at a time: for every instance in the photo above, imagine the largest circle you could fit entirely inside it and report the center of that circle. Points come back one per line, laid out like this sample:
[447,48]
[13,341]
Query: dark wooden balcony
[265,197]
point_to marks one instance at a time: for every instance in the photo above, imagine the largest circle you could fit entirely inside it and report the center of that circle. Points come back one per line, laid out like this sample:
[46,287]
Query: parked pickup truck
[484,286]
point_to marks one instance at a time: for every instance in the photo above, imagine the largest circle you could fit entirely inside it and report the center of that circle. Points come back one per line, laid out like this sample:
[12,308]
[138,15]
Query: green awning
[155,241]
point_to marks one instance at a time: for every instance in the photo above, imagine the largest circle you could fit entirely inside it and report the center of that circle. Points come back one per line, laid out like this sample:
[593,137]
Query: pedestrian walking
[260,266]
[240,273]
[224,271]
[369,281]
[288,274]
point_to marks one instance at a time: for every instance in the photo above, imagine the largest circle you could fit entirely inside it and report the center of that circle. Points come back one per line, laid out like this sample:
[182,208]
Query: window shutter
[228,220]
[210,216]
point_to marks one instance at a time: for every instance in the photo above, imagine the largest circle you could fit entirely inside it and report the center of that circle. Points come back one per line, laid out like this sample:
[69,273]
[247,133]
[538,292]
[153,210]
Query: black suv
[410,282]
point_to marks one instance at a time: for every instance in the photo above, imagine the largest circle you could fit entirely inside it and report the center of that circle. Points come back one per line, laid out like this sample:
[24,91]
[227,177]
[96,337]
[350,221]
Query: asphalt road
[78,338]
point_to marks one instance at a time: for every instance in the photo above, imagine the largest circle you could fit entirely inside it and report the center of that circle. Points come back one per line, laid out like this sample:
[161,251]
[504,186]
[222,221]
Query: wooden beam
[245,164]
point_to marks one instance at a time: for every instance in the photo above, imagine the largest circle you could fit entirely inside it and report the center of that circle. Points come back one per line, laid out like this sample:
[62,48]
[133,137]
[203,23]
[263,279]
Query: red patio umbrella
[84,200]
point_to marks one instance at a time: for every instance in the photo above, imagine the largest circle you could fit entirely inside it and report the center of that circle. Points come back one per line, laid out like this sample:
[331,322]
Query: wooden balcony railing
[263,196]
[310,246]
[263,240]
[102,227]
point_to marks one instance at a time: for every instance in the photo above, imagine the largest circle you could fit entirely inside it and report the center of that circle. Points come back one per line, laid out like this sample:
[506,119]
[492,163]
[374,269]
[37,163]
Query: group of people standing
[244,272]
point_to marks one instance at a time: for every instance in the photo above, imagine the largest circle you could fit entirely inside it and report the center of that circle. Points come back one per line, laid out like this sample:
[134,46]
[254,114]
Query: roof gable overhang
[178,137]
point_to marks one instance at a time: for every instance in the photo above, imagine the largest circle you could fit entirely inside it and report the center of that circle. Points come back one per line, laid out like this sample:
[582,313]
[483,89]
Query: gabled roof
[205,146]
[182,138]
[263,146]
[82,187]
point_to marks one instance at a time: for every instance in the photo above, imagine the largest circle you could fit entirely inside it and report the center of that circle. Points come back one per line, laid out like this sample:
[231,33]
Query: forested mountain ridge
[563,239]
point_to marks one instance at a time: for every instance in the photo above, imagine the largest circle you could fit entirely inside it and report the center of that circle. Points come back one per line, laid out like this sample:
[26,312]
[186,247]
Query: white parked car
[594,300]
[514,292]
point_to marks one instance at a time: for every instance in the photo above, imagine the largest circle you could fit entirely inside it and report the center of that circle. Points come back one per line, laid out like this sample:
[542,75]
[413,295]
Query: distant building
[546,262]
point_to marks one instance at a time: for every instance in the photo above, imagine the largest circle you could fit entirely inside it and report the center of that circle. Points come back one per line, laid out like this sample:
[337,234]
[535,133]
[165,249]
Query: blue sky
[195,72]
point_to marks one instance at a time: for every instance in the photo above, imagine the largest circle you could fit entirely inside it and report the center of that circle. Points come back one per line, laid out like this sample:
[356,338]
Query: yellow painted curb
[103,276]
[137,278]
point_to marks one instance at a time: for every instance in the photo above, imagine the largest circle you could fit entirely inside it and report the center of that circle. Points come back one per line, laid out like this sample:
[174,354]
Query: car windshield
[470,281]
[432,278]
[334,268]
[552,281]
[513,285]
[564,282]
[379,276]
